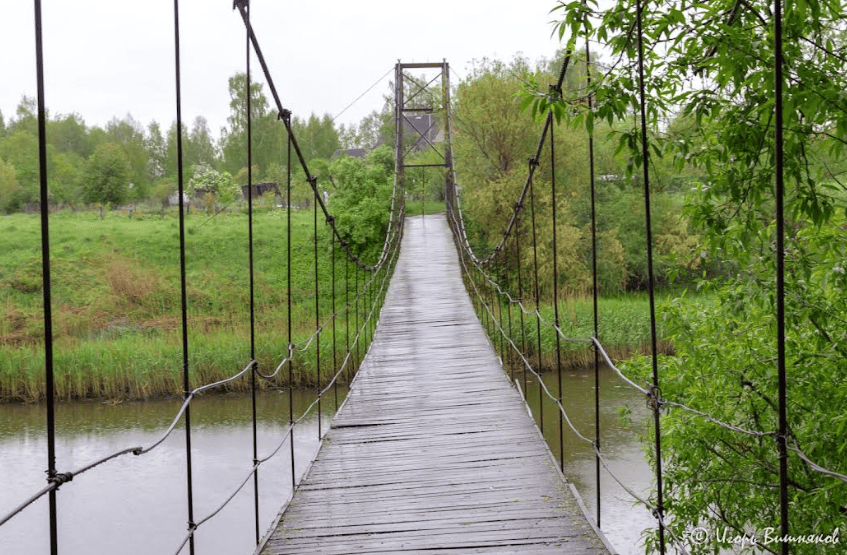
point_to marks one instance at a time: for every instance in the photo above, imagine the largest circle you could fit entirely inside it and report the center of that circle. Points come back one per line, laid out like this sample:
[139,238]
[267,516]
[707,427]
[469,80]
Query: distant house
[173,199]
[201,193]
[351,152]
[260,189]
[424,129]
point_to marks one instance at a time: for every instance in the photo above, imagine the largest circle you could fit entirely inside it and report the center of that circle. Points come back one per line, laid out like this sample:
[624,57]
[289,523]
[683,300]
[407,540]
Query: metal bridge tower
[422,122]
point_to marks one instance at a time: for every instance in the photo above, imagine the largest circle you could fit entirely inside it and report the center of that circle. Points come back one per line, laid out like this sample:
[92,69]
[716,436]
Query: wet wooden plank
[433,452]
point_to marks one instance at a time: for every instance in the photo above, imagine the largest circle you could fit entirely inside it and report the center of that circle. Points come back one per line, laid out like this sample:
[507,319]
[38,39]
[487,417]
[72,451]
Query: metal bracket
[654,398]
[61,478]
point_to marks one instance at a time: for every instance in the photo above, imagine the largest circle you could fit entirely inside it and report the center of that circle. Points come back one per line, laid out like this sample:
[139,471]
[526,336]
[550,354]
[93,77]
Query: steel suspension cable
[460,225]
[334,357]
[508,352]
[288,296]
[44,206]
[594,287]
[500,266]
[533,162]
[186,387]
[645,153]
[241,6]
[251,276]
[347,308]
[357,316]
[290,429]
[782,446]
[556,288]
[317,308]
[392,238]
[520,283]
[491,296]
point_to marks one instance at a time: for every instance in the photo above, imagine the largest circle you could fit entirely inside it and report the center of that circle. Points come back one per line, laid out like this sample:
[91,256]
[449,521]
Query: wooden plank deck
[433,451]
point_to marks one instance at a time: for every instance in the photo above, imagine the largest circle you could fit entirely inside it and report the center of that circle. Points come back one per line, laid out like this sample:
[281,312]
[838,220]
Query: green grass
[116,304]
[116,301]
[425,207]
[624,328]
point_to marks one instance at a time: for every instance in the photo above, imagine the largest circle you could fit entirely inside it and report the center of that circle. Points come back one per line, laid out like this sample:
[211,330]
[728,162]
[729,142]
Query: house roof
[352,152]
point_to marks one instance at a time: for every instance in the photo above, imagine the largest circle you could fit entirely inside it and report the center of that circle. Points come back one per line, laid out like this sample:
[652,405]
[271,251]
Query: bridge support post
[419,131]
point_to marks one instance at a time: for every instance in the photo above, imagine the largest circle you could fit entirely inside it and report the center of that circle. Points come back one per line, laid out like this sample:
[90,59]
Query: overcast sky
[104,58]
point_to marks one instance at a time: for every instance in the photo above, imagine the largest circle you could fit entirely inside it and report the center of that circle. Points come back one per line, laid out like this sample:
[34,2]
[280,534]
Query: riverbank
[624,331]
[117,327]
[116,302]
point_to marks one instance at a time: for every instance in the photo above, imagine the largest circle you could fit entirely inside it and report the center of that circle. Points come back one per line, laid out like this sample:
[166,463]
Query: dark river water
[137,505]
[622,444]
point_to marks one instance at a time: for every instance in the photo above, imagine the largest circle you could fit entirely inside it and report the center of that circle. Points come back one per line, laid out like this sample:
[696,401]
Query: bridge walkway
[433,451]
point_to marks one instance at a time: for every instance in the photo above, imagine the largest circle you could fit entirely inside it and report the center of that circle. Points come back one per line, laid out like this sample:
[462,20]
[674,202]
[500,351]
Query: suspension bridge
[433,450]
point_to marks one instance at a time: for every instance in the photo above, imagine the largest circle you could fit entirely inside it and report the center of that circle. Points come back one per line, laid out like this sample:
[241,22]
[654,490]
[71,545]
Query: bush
[107,176]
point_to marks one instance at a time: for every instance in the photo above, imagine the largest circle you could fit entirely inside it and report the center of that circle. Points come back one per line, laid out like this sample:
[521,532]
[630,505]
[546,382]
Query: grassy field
[624,329]
[116,304]
[424,207]
[116,301]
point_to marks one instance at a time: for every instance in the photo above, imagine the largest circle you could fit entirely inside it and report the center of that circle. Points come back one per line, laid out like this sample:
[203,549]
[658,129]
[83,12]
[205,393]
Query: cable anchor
[60,478]
[654,398]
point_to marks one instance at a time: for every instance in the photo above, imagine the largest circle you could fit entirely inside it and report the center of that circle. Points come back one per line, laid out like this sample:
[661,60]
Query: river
[621,441]
[137,505]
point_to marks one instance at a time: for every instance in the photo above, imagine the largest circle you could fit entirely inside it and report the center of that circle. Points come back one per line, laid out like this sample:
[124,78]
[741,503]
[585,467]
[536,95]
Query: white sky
[104,58]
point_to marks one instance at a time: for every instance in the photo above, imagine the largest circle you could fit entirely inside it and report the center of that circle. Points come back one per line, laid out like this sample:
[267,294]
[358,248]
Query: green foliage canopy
[107,175]
[361,202]
[709,68]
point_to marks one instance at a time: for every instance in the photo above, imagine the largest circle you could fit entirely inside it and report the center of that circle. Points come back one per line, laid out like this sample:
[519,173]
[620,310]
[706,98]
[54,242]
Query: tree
[711,64]
[267,131]
[362,200]
[8,184]
[157,155]
[220,185]
[69,134]
[20,149]
[129,135]
[63,178]
[373,128]
[107,174]
[200,149]
[26,117]
[488,119]
[317,137]
[171,167]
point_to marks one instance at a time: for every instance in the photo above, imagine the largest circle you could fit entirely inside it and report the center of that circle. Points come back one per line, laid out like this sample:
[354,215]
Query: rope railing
[306,412]
[565,418]
[285,115]
[486,270]
[366,302]
[476,268]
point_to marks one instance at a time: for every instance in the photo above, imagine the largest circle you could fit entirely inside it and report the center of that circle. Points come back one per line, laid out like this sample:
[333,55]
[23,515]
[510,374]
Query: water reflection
[621,441]
[137,505]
